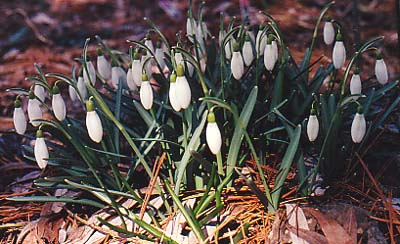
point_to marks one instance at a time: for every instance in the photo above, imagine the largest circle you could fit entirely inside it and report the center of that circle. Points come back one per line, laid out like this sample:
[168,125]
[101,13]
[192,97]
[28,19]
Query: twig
[31,25]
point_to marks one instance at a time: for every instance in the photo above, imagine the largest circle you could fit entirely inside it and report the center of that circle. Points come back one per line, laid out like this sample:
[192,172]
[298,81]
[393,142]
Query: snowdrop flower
[182,88]
[160,56]
[103,66]
[261,41]
[136,69]
[93,122]
[72,93]
[149,43]
[19,117]
[178,57]
[118,74]
[40,150]
[34,110]
[358,126]
[270,56]
[146,92]
[213,135]
[248,51]
[146,64]
[173,95]
[202,30]
[237,66]
[275,48]
[82,87]
[355,83]
[228,49]
[380,69]
[58,104]
[339,52]
[329,31]
[89,75]
[190,28]
[129,80]
[312,126]
[39,92]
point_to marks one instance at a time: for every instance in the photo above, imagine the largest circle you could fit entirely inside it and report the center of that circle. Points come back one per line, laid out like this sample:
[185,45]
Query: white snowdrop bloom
[178,58]
[58,104]
[173,95]
[72,93]
[275,48]
[146,93]
[146,64]
[34,110]
[19,118]
[190,28]
[118,74]
[137,69]
[251,35]
[329,32]
[355,83]
[339,52]
[213,134]
[90,73]
[159,55]
[312,126]
[82,88]
[103,66]
[202,30]
[93,122]
[130,81]
[39,92]
[270,57]
[381,70]
[40,150]
[228,49]
[237,66]
[182,88]
[358,126]
[261,41]
[248,52]
[148,43]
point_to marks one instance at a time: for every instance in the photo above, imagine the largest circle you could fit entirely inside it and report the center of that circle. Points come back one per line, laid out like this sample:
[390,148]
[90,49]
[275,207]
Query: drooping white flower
[82,88]
[339,52]
[358,126]
[275,48]
[248,52]
[40,150]
[118,74]
[355,83]
[261,41]
[213,134]
[381,69]
[202,30]
[93,122]
[130,81]
[270,56]
[90,73]
[148,43]
[34,110]
[182,88]
[173,95]
[19,118]
[39,92]
[228,49]
[72,93]
[137,69]
[146,64]
[159,55]
[312,126]
[58,104]
[191,27]
[178,57]
[146,92]
[237,66]
[103,66]
[329,32]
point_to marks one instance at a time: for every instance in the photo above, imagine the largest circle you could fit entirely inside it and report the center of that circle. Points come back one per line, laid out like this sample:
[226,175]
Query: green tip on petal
[339,37]
[17,103]
[31,95]
[114,63]
[147,37]
[378,55]
[89,106]
[144,52]
[270,39]
[236,47]
[211,117]
[313,111]
[247,38]
[360,109]
[328,19]
[172,77]
[357,71]
[179,70]
[39,133]
[136,55]
[158,44]
[55,89]
[145,77]
[99,52]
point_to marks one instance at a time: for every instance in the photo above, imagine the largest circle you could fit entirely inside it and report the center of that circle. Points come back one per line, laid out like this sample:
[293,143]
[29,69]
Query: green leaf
[57,199]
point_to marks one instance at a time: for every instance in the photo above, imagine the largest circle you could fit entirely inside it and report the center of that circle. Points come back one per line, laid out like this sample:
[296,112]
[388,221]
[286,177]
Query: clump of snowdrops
[208,105]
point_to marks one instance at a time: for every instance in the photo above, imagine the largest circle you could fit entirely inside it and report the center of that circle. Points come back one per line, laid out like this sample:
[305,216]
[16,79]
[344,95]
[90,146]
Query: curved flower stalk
[261,41]
[237,66]
[213,134]
[39,92]
[329,31]
[148,42]
[93,122]
[118,74]
[146,92]
[380,69]
[58,104]
[40,150]
[355,83]
[248,51]
[339,52]
[136,69]
[89,75]
[19,117]
[159,55]
[270,54]
[34,110]
[173,95]
[312,126]
[358,126]
[103,66]
[81,87]
[182,88]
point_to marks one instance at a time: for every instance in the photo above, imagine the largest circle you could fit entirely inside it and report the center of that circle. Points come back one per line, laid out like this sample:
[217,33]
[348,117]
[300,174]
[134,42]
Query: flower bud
[118,74]
[159,55]
[89,75]
[355,83]
[228,49]
[358,126]
[178,58]
[148,43]
[261,42]
[339,52]
[190,28]
[103,66]
[58,104]
[130,81]
[40,150]
[275,49]
[381,70]
[72,93]
[237,66]
[270,54]
[182,88]
[213,134]
[93,123]
[329,32]
[146,64]
[312,126]
[146,93]
[173,96]
[137,69]
[82,87]
[34,110]
[19,118]
[39,92]
[248,52]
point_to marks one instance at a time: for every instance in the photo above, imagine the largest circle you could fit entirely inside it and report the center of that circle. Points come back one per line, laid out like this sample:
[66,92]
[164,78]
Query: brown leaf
[351,225]
[311,237]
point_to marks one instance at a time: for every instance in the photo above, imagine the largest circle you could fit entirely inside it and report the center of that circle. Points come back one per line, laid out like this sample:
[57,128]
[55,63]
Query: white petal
[269,57]
[39,92]
[146,95]
[247,53]
[183,91]
[275,48]
[147,65]
[19,121]
[237,65]
[339,54]
[150,45]
[137,72]
[82,88]
[118,74]
[94,126]
[173,97]
[213,137]
[130,81]
[355,84]
[228,50]
[329,33]
[190,68]
[221,36]
[381,71]
[59,108]
[312,127]
[261,42]
[72,93]
[34,112]
[41,152]
[92,73]
[190,28]
[296,218]
[178,58]
[160,58]
[104,67]
[358,128]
